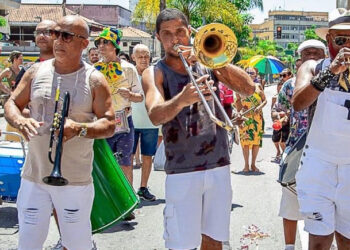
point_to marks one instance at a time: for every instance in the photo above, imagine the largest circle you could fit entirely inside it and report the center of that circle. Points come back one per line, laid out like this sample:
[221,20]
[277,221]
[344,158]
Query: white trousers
[73,206]
[197,203]
[324,195]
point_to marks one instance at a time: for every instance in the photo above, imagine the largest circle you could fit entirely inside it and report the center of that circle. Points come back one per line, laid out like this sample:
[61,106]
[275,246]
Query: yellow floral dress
[252,130]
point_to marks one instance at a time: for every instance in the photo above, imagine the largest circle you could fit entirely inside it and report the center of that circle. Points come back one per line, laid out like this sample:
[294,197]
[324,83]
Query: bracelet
[322,79]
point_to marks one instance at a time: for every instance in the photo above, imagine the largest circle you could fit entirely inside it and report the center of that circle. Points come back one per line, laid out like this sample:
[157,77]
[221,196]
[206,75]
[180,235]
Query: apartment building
[293,25]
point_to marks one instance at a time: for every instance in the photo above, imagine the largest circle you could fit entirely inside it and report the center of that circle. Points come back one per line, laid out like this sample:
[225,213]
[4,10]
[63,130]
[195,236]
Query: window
[125,44]
[134,43]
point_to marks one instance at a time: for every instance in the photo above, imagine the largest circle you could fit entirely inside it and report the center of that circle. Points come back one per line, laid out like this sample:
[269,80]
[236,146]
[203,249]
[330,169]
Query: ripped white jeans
[73,206]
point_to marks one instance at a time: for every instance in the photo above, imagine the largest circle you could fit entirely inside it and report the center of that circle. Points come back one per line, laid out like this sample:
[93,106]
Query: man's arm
[18,100]
[161,111]
[304,93]
[236,79]
[3,74]
[104,126]
[133,94]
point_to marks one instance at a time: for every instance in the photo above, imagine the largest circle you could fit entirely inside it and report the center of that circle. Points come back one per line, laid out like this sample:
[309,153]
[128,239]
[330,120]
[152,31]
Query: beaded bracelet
[322,79]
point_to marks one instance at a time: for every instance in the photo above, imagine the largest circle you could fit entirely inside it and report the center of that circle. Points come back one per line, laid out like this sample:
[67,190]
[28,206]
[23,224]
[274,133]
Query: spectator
[144,129]
[9,74]
[281,123]
[252,130]
[93,55]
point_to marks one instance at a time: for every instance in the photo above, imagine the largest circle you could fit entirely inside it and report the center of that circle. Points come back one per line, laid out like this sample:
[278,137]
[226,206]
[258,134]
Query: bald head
[75,24]
[46,24]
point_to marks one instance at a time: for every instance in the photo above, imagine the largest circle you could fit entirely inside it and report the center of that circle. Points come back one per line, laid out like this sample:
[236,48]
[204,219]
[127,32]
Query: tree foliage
[311,34]
[198,12]
[245,5]
[2,21]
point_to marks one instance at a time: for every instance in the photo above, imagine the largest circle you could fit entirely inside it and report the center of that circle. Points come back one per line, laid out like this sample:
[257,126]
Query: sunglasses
[250,73]
[102,41]
[67,36]
[44,32]
[341,40]
[285,75]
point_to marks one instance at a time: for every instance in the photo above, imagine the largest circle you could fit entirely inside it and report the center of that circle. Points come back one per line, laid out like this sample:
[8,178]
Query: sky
[303,5]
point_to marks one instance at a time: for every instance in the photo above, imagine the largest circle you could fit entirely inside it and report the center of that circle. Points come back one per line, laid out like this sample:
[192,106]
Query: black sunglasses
[101,41]
[285,75]
[67,36]
[341,40]
[44,32]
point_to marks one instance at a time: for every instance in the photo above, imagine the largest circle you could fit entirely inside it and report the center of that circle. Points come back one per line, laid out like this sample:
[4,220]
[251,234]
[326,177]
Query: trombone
[215,46]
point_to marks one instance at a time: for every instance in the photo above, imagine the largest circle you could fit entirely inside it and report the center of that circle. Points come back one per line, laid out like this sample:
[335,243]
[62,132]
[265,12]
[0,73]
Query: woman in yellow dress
[252,129]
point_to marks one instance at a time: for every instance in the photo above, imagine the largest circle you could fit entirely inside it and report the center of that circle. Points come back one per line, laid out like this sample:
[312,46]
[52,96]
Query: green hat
[110,34]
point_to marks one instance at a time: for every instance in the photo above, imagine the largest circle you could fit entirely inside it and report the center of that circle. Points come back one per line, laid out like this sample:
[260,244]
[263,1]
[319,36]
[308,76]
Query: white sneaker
[94,247]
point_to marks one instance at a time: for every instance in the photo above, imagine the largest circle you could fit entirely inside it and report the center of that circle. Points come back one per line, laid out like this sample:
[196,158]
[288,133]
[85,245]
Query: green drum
[114,196]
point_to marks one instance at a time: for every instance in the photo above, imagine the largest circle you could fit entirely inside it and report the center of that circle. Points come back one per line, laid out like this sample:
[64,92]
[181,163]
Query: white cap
[312,44]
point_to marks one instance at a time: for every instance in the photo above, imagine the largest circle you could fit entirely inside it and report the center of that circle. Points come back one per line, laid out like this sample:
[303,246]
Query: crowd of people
[134,105]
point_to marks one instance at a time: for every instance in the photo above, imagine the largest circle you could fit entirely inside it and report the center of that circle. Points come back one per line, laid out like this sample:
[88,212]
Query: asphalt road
[256,200]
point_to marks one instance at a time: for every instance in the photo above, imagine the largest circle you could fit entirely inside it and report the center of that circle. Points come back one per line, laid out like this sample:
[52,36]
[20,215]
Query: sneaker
[145,194]
[94,246]
[58,245]
[130,217]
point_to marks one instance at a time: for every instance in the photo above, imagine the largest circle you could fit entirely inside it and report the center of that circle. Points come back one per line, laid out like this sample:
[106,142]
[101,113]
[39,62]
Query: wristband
[322,79]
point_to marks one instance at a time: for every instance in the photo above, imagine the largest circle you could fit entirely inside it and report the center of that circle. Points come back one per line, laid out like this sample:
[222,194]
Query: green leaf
[2,21]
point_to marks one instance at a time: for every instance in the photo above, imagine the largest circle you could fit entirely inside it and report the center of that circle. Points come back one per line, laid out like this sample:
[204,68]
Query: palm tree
[162,5]
[213,10]
[257,4]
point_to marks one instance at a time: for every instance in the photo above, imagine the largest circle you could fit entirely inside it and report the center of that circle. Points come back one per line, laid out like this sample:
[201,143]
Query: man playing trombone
[90,116]
[198,184]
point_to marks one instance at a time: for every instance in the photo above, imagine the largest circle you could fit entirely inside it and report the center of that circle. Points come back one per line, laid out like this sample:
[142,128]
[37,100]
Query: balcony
[9,4]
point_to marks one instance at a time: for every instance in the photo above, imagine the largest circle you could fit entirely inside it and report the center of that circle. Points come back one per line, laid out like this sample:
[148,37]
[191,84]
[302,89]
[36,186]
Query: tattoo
[95,79]
[33,69]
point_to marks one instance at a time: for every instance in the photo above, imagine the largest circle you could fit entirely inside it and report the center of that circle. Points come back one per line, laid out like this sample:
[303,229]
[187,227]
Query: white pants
[73,206]
[324,195]
[289,207]
[197,203]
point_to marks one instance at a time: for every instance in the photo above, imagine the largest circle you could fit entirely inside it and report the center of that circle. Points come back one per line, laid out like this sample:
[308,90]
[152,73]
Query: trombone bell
[215,45]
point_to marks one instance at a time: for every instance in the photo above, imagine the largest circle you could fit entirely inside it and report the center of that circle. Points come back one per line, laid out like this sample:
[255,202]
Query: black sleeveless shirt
[192,141]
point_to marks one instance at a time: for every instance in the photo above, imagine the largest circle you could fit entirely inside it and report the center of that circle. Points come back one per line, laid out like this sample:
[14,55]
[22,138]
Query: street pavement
[255,205]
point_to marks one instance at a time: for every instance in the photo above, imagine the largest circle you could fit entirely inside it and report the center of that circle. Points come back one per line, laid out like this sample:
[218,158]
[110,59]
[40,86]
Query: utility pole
[343,4]
[64,7]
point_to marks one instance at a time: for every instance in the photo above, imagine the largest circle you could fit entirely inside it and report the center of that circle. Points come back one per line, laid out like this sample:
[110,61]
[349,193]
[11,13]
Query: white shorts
[324,195]
[73,206]
[197,203]
[289,207]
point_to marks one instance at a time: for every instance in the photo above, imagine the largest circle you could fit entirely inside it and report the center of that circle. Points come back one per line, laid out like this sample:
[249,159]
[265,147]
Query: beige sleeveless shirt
[77,157]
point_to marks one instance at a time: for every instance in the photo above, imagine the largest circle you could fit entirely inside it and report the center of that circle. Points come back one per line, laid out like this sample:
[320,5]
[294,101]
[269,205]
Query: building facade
[293,25]
[111,15]
[24,20]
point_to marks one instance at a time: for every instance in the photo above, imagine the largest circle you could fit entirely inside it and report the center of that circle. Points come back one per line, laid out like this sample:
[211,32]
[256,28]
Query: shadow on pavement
[248,173]
[233,206]
[121,226]
[9,217]
[144,203]
[8,220]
